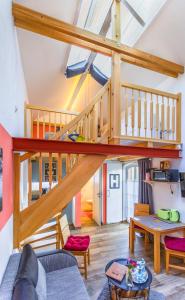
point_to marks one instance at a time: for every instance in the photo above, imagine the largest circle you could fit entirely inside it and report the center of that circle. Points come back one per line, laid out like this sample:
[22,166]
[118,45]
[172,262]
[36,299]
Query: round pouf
[105,294]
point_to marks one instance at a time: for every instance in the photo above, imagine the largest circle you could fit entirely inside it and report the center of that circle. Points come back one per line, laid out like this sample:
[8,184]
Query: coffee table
[120,290]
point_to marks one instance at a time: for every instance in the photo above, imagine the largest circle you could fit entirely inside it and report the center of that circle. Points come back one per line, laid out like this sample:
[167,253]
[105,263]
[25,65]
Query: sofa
[51,275]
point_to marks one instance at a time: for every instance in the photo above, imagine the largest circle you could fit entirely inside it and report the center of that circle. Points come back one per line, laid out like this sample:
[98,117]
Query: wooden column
[16,215]
[115,101]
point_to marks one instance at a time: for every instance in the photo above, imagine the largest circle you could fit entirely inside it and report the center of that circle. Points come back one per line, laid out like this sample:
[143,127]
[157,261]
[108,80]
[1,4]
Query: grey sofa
[49,275]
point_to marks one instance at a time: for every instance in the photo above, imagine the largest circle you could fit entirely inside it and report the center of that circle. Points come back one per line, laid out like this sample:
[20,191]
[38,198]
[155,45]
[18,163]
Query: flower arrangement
[131,264]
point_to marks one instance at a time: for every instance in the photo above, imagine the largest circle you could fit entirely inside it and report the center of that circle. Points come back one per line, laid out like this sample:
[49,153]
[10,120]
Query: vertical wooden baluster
[168,118]
[16,206]
[85,127]
[157,116]
[101,115]
[38,125]
[40,174]
[68,162]
[66,119]
[44,126]
[49,124]
[60,121]
[139,114]
[95,123]
[133,112]
[55,126]
[178,119]
[126,111]
[145,114]
[31,117]
[29,181]
[50,171]
[173,118]
[59,167]
[151,115]
[162,118]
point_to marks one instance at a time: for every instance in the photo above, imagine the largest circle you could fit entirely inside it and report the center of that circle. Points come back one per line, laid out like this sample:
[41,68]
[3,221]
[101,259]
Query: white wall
[12,97]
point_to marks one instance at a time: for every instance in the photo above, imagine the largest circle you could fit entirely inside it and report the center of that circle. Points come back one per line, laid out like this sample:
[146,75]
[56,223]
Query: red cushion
[77,243]
[175,243]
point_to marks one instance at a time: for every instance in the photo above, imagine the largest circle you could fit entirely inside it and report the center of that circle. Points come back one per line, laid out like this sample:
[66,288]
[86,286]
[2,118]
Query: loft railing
[93,122]
[147,115]
[41,122]
[150,115]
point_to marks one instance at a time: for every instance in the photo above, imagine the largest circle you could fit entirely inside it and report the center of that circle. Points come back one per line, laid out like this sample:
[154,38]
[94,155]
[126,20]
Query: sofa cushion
[23,290]
[175,243]
[28,266]
[66,284]
[41,283]
[77,243]
[7,284]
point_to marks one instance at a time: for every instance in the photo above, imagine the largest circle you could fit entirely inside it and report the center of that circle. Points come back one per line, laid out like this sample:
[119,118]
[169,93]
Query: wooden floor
[111,241]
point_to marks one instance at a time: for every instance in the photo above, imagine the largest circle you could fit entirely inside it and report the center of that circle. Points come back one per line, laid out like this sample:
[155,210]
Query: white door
[114,192]
[97,199]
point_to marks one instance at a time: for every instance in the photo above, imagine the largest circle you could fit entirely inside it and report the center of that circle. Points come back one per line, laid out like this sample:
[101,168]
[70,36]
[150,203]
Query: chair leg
[167,261]
[85,265]
[88,255]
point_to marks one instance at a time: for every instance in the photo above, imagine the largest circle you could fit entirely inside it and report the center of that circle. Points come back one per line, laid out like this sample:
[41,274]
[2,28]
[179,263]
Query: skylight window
[93,14]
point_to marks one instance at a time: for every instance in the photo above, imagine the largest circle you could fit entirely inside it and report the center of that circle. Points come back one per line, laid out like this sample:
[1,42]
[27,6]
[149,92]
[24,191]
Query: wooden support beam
[39,145]
[115,99]
[51,203]
[37,22]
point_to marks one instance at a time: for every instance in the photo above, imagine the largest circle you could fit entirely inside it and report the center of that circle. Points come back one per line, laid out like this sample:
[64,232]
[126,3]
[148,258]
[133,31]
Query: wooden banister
[84,113]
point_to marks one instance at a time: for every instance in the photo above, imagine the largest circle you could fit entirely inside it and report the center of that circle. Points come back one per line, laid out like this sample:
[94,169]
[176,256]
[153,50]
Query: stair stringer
[33,217]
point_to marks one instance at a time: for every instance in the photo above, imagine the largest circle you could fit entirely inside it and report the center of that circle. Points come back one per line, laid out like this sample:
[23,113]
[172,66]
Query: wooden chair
[174,247]
[78,250]
[142,210]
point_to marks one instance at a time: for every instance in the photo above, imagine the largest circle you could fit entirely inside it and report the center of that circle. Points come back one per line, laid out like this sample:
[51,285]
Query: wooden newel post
[16,213]
[115,100]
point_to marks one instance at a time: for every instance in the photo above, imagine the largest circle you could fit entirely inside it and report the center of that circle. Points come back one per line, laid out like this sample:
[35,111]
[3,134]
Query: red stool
[174,246]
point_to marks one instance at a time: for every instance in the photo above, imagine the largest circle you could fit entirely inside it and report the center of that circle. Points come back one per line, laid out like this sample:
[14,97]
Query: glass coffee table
[120,290]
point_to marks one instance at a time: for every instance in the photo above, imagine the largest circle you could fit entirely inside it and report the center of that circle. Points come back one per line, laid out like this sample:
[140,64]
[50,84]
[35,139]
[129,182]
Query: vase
[129,280]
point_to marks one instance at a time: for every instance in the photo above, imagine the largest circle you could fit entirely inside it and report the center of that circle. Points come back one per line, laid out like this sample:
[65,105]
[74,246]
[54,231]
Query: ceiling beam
[37,22]
[103,31]
[52,146]
[134,13]
[77,12]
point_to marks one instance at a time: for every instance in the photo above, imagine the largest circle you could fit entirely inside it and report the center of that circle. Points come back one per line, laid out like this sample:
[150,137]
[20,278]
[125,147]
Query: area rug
[105,294]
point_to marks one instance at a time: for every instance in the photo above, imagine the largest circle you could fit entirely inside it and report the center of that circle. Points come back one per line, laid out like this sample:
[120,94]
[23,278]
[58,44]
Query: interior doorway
[91,201]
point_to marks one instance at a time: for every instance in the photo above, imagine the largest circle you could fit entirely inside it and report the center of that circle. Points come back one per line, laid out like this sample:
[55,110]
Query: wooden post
[178,119]
[40,174]
[16,215]
[115,106]
[29,181]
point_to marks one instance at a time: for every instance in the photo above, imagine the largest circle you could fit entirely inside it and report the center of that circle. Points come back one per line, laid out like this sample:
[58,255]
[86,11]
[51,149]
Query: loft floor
[111,241]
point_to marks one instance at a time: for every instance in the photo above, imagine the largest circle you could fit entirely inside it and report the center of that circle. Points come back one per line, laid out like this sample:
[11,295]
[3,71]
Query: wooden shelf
[155,181]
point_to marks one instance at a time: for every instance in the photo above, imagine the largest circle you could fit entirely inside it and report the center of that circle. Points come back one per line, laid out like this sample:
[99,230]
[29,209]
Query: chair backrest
[64,228]
[141,209]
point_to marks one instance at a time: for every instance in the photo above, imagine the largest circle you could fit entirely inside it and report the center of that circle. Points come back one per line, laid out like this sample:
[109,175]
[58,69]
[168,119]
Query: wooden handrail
[149,90]
[84,112]
[41,108]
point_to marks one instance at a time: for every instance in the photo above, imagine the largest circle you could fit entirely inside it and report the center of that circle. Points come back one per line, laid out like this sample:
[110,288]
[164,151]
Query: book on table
[117,271]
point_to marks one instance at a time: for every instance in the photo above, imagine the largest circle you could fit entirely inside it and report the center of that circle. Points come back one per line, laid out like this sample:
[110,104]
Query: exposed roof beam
[51,146]
[37,22]
[103,31]
[133,12]
[77,12]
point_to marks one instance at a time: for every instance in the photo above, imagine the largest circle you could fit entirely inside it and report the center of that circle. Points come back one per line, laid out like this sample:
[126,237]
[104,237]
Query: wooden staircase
[28,220]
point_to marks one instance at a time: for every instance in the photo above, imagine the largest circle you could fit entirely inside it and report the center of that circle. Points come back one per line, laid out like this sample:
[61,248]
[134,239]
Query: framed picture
[1,179]
[114,181]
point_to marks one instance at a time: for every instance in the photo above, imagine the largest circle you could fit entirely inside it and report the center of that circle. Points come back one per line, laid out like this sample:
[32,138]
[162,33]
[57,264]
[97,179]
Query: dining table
[158,228]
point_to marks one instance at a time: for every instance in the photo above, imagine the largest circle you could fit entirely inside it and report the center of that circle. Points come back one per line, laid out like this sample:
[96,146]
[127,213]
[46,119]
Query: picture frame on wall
[1,179]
